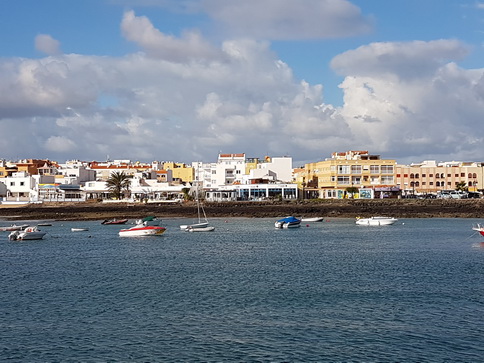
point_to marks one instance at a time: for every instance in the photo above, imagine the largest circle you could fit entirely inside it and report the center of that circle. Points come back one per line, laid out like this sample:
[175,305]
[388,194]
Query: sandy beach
[400,208]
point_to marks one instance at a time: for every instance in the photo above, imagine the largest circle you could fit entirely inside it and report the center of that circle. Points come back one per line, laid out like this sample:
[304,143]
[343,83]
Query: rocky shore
[400,208]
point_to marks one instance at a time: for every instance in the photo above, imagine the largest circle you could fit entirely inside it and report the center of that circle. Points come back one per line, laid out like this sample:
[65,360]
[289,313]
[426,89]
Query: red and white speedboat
[479,228]
[142,231]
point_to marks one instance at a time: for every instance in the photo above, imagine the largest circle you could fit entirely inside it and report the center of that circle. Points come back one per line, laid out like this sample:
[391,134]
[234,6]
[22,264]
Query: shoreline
[347,208]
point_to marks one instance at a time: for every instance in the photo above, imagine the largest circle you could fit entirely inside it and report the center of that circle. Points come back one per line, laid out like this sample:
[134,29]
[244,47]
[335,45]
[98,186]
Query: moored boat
[288,222]
[29,233]
[479,228]
[114,221]
[201,229]
[142,231]
[13,227]
[79,229]
[312,219]
[376,221]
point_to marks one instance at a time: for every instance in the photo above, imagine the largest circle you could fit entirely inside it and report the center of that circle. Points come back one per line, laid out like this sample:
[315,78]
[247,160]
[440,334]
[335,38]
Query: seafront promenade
[400,208]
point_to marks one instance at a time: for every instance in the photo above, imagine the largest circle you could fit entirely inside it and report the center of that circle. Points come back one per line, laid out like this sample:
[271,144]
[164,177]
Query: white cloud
[60,144]
[46,44]
[140,30]
[187,104]
[288,19]
[405,60]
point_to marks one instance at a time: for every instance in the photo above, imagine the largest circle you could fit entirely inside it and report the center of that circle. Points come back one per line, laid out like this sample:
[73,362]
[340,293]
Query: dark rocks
[400,208]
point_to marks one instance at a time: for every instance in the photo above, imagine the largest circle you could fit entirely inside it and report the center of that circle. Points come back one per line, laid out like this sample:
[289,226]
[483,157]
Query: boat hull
[201,229]
[288,222]
[376,221]
[314,219]
[184,227]
[115,221]
[142,231]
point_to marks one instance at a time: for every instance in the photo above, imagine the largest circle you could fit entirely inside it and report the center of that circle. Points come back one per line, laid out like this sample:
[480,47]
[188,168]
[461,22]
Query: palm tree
[117,183]
[461,186]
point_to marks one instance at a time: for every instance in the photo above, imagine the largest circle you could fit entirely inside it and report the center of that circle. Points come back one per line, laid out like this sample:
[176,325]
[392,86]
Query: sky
[185,80]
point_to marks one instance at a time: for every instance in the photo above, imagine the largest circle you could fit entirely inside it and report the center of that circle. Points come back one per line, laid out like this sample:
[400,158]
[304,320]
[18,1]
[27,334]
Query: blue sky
[184,80]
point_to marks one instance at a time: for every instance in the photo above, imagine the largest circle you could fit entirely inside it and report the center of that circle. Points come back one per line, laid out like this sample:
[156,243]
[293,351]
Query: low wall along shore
[400,208]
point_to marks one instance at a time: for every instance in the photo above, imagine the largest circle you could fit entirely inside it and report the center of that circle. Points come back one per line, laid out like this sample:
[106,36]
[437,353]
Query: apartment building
[373,176]
[432,177]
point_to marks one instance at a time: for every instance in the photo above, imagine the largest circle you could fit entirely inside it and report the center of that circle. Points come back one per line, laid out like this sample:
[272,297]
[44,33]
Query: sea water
[247,292]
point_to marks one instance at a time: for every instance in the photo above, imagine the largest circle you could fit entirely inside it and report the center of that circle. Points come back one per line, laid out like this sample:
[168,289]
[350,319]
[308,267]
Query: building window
[424,175]
[12,184]
[22,184]
[437,176]
[355,169]
[431,175]
[431,183]
[387,169]
[374,169]
[462,175]
[412,176]
[387,179]
[416,176]
[343,180]
[343,169]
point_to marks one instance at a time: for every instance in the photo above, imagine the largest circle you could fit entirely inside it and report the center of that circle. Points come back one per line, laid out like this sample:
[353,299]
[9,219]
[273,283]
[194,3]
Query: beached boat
[288,222]
[142,231]
[114,221]
[375,221]
[29,233]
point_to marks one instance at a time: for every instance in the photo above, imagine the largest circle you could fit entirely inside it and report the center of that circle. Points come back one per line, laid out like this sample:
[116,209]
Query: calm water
[330,292]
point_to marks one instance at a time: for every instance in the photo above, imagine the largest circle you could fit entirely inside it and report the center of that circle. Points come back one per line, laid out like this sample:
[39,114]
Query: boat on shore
[142,231]
[29,233]
[114,221]
[376,221]
[288,222]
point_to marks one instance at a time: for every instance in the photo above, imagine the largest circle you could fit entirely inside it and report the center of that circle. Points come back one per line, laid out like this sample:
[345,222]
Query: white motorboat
[13,227]
[201,229]
[312,219]
[79,229]
[288,222]
[376,221]
[142,231]
[29,233]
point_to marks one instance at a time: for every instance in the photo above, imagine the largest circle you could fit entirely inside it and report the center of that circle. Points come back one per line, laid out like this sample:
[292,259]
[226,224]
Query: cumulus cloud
[288,19]
[405,99]
[406,60]
[140,30]
[46,44]
[172,101]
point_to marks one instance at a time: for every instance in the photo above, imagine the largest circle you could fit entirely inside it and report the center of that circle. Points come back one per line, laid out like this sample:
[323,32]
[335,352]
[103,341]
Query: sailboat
[202,224]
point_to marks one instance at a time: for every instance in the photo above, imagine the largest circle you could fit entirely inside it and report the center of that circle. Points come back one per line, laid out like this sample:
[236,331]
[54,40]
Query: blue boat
[288,222]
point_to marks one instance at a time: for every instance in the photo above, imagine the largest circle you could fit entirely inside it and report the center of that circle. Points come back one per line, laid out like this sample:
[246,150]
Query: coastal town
[237,177]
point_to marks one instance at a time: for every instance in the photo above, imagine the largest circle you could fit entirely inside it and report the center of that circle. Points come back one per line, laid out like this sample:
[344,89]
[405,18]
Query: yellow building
[180,172]
[368,175]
